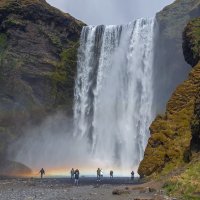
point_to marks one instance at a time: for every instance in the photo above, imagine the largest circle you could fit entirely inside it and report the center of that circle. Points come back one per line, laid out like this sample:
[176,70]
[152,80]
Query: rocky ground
[63,189]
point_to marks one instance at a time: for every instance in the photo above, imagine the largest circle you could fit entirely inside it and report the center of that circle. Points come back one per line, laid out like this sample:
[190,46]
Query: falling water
[113,92]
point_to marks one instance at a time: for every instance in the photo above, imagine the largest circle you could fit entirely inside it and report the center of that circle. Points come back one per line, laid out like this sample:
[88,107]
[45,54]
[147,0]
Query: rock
[169,60]
[172,133]
[10,168]
[38,45]
[143,198]
[191,47]
[120,192]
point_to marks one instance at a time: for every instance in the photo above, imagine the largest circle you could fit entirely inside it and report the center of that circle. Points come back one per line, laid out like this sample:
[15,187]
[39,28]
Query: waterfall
[114,91]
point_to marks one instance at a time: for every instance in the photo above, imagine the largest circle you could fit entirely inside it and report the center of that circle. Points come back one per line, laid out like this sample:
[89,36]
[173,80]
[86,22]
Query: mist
[95,12]
[50,145]
[53,147]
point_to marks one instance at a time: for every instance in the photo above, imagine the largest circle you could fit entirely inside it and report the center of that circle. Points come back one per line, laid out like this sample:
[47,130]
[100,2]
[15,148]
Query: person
[98,174]
[132,175]
[42,172]
[101,173]
[76,180]
[111,173]
[72,173]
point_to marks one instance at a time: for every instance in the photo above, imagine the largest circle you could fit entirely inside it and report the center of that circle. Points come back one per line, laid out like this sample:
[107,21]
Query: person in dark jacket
[76,175]
[111,173]
[42,172]
[98,174]
[132,175]
[72,173]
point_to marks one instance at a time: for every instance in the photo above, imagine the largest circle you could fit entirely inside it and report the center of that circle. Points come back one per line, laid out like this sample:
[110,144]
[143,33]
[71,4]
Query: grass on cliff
[12,4]
[187,184]
[63,75]
[193,34]
[168,146]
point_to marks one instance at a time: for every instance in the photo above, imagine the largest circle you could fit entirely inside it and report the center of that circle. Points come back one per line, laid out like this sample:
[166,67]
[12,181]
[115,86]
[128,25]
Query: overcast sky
[95,12]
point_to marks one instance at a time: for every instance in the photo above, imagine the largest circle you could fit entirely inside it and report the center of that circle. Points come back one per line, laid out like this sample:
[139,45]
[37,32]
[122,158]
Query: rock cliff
[38,48]
[169,60]
[175,139]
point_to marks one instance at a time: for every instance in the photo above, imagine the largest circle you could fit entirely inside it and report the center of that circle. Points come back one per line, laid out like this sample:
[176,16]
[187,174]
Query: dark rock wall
[38,49]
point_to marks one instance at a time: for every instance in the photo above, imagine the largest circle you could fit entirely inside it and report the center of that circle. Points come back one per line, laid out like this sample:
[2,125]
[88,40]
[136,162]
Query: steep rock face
[195,126]
[38,46]
[175,134]
[170,66]
[171,133]
[191,49]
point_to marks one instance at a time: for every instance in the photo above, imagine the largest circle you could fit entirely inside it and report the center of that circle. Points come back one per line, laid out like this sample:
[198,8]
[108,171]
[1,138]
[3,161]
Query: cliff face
[169,60]
[38,47]
[175,137]
[191,49]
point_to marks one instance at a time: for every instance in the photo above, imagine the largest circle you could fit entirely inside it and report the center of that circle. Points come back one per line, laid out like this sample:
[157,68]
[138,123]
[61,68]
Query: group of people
[75,175]
[100,174]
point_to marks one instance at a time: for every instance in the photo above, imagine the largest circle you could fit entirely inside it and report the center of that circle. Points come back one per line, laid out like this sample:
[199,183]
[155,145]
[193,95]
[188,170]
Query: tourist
[42,172]
[76,177]
[111,174]
[72,173]
[101,173]
[98,174]
[132,175]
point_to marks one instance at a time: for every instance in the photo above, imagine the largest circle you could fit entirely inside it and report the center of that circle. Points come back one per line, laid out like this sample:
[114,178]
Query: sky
[96,12]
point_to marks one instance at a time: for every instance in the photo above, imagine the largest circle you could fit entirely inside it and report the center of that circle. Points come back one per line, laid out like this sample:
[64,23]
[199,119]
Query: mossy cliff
[38,47]
[169,60]
[171,133]
[174,146]
[191,48]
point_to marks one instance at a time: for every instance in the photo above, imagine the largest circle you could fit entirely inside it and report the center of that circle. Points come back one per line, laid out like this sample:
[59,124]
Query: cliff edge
[38,49]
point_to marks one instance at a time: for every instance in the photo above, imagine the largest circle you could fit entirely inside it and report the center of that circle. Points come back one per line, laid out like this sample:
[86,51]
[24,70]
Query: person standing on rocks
[42,172]
[101,173]
[76,181]
[98,174]
[72,173]
[132,175]
[111,174]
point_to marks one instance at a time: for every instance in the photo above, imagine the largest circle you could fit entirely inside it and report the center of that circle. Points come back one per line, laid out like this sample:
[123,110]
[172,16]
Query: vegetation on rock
[38,45]
[171,133]
[173,149]
[191,44]
[186,184]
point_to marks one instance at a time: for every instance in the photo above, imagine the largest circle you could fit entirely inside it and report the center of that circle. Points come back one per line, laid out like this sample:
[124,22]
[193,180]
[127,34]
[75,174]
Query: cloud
[110,11]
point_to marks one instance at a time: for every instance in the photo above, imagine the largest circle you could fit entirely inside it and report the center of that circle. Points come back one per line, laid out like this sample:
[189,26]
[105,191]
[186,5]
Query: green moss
[3,45]
[171,134]
[63,75]
[14,22]
[3,41]
[55,40]
[193,33]
[186,185]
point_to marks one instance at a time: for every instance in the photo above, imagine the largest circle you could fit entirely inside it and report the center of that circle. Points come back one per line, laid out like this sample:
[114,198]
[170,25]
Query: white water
[113,93]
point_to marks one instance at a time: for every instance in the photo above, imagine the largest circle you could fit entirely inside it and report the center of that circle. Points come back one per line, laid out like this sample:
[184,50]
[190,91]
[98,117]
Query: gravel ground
[63,189]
